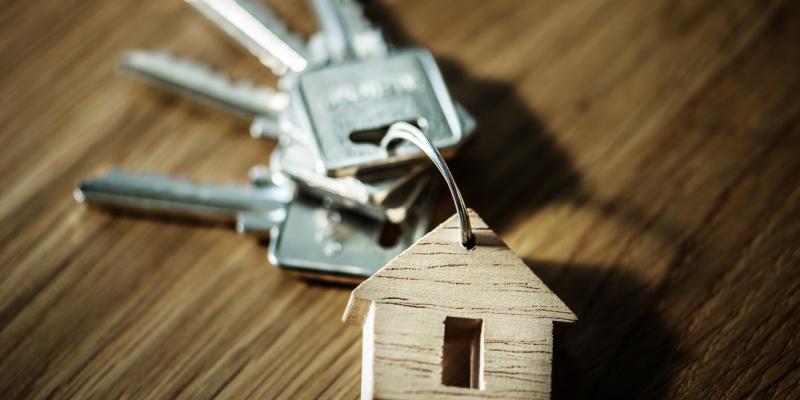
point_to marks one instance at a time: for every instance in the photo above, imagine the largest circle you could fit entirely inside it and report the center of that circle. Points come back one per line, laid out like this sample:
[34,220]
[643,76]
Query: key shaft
[199,82]
[259,31]
[347,32]
[161,195]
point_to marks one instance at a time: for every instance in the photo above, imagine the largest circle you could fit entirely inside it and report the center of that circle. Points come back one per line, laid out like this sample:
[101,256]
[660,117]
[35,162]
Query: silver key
[346,32]
[339,246]
[382,195]
[319,242]
[197,81]
[346,108]
[388,198]
[259,31]
[254,210]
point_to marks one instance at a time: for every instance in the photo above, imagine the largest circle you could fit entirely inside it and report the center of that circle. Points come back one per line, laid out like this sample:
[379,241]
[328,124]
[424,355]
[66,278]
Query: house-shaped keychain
[456,315]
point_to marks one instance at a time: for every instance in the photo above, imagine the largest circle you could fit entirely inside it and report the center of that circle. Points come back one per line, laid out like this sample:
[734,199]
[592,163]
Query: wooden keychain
[457,314]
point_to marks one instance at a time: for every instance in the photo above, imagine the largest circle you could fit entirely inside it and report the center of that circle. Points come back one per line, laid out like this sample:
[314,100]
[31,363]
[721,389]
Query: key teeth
[220,14]
[153,179]
[278,25]
[161,66]
[348,31]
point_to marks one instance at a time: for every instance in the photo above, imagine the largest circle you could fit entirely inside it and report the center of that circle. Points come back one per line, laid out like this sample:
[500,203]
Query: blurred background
[642,157]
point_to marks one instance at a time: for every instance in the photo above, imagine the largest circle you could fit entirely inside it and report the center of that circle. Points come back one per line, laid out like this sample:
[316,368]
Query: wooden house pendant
[456,315]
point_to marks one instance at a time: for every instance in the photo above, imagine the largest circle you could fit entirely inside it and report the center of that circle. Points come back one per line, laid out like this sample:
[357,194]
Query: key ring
[408,132]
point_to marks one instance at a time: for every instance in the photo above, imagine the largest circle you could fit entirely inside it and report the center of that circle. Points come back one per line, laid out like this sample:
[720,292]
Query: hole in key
[390,234]
[374,136]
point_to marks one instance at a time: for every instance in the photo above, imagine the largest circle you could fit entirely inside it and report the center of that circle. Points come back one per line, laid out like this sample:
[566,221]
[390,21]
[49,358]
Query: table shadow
[512,167]
[620,347]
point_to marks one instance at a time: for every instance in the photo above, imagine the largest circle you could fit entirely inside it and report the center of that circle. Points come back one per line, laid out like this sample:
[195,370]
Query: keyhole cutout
[374,136]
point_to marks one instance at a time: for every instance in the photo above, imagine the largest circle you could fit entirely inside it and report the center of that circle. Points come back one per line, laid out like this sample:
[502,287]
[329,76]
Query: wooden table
[642,156]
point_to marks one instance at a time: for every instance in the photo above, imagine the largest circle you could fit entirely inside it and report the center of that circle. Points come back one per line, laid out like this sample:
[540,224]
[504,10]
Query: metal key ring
[408,132]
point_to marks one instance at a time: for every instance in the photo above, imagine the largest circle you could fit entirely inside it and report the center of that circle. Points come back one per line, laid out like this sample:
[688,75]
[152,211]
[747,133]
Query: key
[346,32]
[199,82]
[330,115]
[319,243]
[259,31]
[338,246]
[387,198]
[254,210]
[346,108]
[342,110]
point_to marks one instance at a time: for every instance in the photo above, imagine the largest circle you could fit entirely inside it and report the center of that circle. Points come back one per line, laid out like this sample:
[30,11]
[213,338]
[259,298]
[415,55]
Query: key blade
[258,30]
[161,195]
[264,127]
[348,33]
[199,82]
[259,224]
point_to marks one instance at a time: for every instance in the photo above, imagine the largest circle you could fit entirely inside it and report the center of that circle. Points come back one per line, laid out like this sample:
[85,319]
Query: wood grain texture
[641,156]
[404,308]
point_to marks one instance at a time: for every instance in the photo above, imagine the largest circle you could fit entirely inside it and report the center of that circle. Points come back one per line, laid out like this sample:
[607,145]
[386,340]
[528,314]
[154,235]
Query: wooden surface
[642,156]
[404,309]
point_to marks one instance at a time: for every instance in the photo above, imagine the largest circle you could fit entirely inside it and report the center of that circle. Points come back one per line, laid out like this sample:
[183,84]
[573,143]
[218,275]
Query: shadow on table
[512,167]
[619,348]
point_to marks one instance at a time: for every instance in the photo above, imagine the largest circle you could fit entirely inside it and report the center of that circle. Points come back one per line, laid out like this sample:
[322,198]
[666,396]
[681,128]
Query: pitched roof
[438,273]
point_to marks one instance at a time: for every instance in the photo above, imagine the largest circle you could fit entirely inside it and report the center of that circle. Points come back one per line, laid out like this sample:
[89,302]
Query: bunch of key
[335,204]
